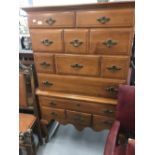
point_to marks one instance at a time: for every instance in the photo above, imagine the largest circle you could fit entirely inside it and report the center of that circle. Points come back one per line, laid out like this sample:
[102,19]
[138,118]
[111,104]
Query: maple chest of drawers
[82,54]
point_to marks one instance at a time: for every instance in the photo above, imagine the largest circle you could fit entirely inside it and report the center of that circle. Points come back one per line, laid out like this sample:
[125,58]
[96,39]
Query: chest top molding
[127,4]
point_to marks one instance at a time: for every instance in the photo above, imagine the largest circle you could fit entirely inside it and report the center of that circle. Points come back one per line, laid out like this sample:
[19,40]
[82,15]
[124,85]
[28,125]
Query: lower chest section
[81,114]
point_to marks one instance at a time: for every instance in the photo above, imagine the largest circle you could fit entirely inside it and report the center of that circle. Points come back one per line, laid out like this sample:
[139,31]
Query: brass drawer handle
[114,68]
[50,21]
[45,64]
[47,83]
[78,118]
[76,43]
[107,122]
[103,20]
[46,42]
[77,66]
[53,103]
[107,111]
[78,104]
[109,43]
[111,89]
[53,114]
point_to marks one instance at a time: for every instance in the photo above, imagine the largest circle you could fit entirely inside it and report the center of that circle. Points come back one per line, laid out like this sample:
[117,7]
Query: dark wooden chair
[124,124]
[28,122]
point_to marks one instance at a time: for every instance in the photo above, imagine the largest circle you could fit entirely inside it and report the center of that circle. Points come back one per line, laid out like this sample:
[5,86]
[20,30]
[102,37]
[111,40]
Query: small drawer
[80,85]
[105,18]
[52,113]
[77,65]
[44,62]
[113,41]
[52,102]
[115,67]
[46,40]
[76,40]
[52,19]
[79,118]
[102,122]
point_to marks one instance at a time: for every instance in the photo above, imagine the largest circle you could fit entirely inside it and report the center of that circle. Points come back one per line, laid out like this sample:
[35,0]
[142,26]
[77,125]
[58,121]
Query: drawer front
[105,18]
[52,113]
[93,108]
[102,122]
[76,40]
[44,62]
[77,65]
[115,67]
[80,85]
[57,19]
[111,41]
[79,118]
[46,40]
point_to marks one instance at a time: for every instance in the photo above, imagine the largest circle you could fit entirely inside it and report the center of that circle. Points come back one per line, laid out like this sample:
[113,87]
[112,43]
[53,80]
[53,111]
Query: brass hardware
[47,83]
[109,43]
[111,89]
[78,104]
[50,21]
[53,114]
[108,111]
[114,68]
[76,43]
[53,103]
[107,122]
[77,66]
[78,118]
[46,42]
[103,20]
[45,64]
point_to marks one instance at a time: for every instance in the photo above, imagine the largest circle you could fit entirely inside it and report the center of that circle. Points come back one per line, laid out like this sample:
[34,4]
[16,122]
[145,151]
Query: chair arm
[111,139]
[131,147]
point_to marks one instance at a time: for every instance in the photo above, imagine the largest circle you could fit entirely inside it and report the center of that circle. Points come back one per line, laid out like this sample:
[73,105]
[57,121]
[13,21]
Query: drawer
[53,113]
[102,122]
[105,18]
[115,67]
[46,40]
[77,65]
[76,40]
[52,19]
[88,107]
[79,118]
[80,85]
[111,41]
[44,62]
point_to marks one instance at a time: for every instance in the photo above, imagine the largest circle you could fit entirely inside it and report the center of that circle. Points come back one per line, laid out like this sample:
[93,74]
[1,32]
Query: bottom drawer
[52,113]
[78,118]
[102,122]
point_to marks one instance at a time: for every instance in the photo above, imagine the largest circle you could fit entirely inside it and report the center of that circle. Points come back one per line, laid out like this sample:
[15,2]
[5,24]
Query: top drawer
[105,18]
[54,19]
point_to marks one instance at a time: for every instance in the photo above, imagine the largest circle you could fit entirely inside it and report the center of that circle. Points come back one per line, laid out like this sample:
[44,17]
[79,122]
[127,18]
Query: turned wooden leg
[39,132]
[45,130]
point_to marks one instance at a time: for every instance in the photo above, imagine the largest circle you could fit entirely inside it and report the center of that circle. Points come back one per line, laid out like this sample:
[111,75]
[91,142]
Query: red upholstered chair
[125,122]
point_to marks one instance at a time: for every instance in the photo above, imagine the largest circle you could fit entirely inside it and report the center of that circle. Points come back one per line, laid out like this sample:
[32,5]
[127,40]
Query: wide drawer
[80,85]
[77,65]
[52,113]
[105,18]
[53,19]
[76,40]
[44,62]
[47,40]
[102,122]
[79,118]
[115,67]
[88,107]
[111,41]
